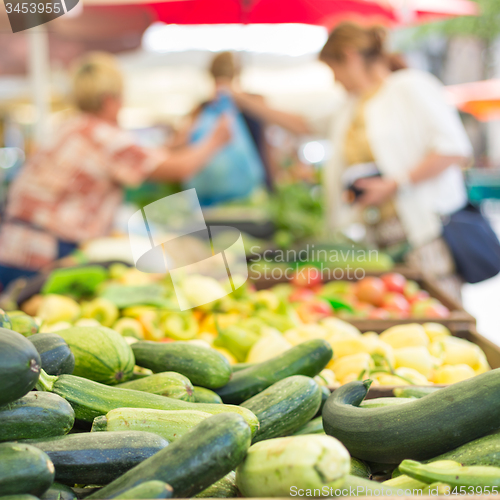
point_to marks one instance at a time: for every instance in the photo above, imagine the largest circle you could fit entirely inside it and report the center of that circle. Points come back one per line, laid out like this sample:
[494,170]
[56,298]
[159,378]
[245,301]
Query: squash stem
[45,382]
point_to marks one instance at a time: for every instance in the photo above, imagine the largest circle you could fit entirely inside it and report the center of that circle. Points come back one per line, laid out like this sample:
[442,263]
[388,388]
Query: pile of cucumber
[85,415]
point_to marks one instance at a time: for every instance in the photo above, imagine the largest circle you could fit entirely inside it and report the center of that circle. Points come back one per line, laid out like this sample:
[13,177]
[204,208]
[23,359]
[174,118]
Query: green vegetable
[360,487]
[137,295]
[90,399]
[101,354]
[429,426]
[285,406]
[308,358]
[180,326]
[19,366]
[102,310]
[410,391]
[147,490]
[88,458]
[405,482]
[55,354]
[237,341]
[23,324]
[170,384]
[59,492]
[76,282]
[171,425]
[202,365]
[283,466]
[204,455]
[19,497]
[24,469]
[203,395]
[360,469]
[314,426]
[36,415]
[223,488]
[383,402]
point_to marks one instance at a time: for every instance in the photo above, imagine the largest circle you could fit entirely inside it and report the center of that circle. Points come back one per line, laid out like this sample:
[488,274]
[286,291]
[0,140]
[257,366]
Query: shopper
[70,190]
[414,143]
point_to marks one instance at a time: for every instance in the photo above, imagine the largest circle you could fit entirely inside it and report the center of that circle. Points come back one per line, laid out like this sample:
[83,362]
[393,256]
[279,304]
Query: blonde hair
[96,76]
[224,65]
[369,42]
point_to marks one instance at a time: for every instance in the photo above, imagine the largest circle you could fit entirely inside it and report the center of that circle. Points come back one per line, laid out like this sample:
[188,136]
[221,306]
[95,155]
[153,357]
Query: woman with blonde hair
[397,149]
[70,190]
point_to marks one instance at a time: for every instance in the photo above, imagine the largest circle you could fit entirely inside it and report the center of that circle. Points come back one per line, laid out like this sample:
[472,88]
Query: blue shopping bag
[236,170]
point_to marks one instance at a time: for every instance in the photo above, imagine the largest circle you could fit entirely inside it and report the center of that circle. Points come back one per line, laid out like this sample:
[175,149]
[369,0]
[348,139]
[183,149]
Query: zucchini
[55,354]
[19,366]
[360,469]
[482,451]
[147,490]
[429,426]
[192,463]
[23,324]
[201,365]
[308,358]
[383,402]
[101,354]
[88,458]
[204,395]
[24,469]
[170,384]
[285,406]
[59,492]
[411,391]
[34,416]
[90,399]
[325,394]
[223,488]
[314,426]
[19,497]
[170,425]
[237,367]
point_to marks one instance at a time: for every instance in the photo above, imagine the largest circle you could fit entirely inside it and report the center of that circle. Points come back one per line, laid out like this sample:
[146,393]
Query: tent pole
[39,71]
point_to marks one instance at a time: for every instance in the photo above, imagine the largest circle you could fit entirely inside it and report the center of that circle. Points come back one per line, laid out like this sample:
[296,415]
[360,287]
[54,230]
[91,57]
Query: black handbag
[473,244]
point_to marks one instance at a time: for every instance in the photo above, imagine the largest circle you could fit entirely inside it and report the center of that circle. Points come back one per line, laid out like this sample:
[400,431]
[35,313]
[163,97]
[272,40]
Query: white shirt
[405,121]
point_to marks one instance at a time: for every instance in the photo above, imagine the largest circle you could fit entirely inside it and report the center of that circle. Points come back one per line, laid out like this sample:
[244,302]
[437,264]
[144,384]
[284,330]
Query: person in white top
[399,120]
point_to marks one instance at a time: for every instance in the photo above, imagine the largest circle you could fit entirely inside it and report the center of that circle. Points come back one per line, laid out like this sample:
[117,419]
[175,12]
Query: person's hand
[377,190]
[222,133]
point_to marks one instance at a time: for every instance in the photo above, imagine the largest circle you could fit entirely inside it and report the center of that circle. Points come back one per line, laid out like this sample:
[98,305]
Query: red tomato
[371,290]
[394,282]
[314,310]
[396,303]
[379,313]
[307,276]
[300,294]
[420,296]
[429,308]
[166,339]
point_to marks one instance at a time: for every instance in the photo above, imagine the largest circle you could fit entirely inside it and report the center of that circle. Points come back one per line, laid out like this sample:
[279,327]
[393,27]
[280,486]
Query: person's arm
[184,163]
[256,106]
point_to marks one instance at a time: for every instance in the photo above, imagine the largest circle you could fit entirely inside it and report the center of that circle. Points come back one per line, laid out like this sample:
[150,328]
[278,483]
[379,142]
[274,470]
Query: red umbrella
[480,99]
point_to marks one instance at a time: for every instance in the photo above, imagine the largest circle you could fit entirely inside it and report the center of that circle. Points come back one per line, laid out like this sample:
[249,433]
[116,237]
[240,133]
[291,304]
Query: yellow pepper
[267,347]
[411,335]
[129,327]
[349,365]
[417,357]
[436,331]
[102,310]
[303,333]
[326,377]
[349,346]
[456,351]
[412,375]
[448,374]
[55,308]
[388,379]
[338,328]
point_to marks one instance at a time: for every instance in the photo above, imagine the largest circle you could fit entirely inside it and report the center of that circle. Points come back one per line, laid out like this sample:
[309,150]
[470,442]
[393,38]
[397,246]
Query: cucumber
[314,426]
[201,365]
[482,451]
[59,492]
[285,406]
[205,454]
[170,384]
[19,366]
[325,394]
[308,358]
[170,425]
[429,426]
[383,402]
[360,469]
[101,354]
[36,415]
[223,488]
[55,354]
[203,395]
[24,469]
[147,490]
[241,366]
[90,399]
[98,458]
[19,497]
[410,391]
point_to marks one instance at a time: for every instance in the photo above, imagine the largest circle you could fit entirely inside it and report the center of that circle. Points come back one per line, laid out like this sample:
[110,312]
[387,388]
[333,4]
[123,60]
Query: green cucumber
[356,486]
[59,492]
[308,358]
[223,488]
[34,416]
[24,469]
[411,391]
[19,497]
[90,399]
[241,366]
[170,425]
[314,426]
[285,406]
[383,402]
[101,354]
[325,394]
[203,366]
[170,384]
[204,395]
[205,454]
[98,458]
[55,354]
[360,468]
[482,451]
[19,366]
[429,426]
[147,490]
